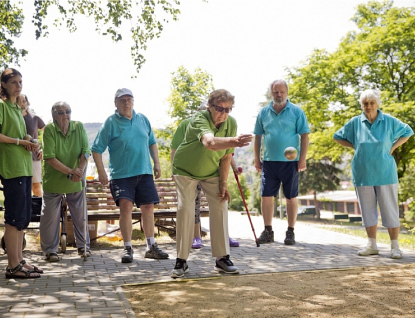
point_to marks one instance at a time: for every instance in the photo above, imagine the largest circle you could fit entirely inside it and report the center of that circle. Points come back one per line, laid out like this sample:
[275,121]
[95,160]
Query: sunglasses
[222,109]
[67,112]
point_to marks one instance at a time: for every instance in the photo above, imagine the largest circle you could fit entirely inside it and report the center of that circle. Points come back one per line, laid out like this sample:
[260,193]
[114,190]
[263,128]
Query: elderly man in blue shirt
[374,136]
[131,143]
[283,125]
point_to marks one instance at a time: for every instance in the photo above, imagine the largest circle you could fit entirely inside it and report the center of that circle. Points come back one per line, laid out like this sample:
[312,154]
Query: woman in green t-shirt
[15,175]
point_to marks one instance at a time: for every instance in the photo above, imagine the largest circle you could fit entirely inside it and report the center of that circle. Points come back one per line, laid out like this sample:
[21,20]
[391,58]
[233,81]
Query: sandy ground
[359,292]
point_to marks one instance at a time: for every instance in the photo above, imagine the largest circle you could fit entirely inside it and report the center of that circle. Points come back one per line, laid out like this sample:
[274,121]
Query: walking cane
[246,207]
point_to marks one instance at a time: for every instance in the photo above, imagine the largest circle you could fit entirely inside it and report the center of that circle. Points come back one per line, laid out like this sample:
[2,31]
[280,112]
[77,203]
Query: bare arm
[154,153]
[102,175]
[224,166]
[303,153]
[30,146]
[257,153]
[220,143]
[398,143]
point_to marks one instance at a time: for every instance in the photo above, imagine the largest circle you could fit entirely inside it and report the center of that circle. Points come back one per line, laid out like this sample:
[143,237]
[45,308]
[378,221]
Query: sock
[394,244]
[268,228]
[291,229]
[372,243]
[128,244]
[150,241]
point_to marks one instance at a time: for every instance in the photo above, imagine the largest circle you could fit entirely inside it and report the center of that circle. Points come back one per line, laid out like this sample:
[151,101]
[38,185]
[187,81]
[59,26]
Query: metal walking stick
[85,216]
[246,207]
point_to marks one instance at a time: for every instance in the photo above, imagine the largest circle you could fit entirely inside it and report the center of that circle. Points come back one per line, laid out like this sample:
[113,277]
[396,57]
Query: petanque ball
[290,153]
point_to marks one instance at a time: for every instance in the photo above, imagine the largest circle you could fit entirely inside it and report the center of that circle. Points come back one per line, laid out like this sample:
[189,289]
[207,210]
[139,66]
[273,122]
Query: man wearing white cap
[131,143]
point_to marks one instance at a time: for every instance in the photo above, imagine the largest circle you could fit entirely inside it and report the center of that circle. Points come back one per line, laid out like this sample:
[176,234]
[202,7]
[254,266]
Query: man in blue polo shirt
[283,125]
[131,143]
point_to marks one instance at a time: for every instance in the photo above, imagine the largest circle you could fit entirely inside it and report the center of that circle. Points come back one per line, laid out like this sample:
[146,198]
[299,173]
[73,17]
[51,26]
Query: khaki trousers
[185,220]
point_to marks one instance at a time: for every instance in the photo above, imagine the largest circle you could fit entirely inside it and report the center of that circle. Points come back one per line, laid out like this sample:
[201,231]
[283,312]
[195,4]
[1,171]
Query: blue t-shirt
[372,163]
[281,130]
[128,143]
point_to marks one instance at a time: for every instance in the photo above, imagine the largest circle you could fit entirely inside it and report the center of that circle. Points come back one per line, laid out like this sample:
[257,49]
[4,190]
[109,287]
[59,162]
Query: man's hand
[258,165]
[157,171]
[102,177]
[302,166]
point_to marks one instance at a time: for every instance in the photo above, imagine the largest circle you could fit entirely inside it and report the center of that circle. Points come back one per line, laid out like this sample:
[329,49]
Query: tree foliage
[237,203]
[145,18]
[11,24]
[320,176]
[188,91]
[381,55]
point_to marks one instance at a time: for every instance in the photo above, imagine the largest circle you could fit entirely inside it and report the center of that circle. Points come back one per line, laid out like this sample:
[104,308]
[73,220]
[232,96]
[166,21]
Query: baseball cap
[123,91]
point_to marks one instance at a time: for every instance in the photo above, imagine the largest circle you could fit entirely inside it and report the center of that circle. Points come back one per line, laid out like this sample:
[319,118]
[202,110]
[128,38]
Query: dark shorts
[139,189]
[276,172]
[17,201]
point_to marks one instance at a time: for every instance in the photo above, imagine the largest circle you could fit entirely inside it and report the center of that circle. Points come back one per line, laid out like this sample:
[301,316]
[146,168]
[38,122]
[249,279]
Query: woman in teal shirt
[374,136]
[15,175]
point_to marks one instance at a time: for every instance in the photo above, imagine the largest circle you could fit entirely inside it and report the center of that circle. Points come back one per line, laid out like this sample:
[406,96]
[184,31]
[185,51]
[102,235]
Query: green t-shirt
[15,161]
[179,134]
[192,159]
[67,149]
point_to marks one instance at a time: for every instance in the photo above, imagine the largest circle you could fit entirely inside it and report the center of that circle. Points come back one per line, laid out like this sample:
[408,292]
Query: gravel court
[74,288]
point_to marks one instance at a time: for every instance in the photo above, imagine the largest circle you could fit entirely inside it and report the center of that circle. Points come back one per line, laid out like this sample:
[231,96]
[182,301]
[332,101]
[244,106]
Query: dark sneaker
[266,237]
[289,238]
[180,268]
[81,252]
[156,253]
[128,255]
[225,265]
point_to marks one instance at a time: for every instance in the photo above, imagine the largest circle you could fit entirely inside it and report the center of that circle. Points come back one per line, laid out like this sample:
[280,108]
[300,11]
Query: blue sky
[243,44]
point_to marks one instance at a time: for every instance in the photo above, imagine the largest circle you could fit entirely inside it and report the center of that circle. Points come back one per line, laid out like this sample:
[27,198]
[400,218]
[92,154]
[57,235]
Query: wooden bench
[101,205]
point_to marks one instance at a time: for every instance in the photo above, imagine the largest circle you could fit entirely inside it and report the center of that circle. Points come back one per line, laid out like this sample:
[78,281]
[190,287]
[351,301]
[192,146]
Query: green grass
[405,240]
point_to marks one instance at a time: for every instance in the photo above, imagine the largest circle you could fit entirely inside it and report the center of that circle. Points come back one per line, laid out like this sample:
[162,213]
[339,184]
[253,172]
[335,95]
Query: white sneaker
[396,253]
[368,250]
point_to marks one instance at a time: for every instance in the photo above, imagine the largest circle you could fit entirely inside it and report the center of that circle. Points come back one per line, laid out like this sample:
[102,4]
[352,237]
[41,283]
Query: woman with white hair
[374,136]
[66,152]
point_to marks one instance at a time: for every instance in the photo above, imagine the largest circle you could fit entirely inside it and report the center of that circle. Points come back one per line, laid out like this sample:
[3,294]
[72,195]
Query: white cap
[123,91]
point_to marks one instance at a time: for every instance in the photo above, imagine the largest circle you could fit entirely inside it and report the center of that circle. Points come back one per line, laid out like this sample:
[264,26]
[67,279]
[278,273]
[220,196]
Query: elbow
[210,145]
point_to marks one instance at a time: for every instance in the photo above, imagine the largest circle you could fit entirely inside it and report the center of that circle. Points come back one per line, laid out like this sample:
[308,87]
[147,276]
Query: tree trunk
[316,205]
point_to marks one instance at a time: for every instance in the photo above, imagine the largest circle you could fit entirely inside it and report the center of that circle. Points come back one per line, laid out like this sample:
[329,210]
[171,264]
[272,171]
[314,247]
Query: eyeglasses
[221,109]
[67,112]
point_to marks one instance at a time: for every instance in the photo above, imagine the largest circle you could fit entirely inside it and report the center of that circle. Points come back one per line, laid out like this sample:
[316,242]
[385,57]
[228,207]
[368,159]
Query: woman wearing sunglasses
[204,158]
[66,152]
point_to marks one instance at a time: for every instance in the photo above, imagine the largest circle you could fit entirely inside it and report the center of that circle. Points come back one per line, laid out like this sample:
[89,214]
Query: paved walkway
[74,288]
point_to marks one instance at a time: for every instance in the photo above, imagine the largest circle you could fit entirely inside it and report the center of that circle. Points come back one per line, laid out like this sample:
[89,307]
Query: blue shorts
[139,189]
[276,172]
[17,201]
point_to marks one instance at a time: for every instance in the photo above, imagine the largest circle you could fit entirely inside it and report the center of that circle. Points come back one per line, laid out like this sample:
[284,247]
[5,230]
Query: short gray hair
[58,105]
[370,94]
[278,81]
